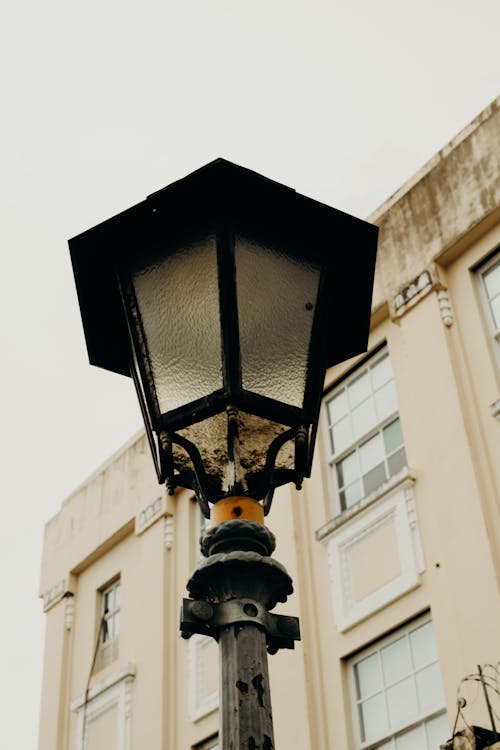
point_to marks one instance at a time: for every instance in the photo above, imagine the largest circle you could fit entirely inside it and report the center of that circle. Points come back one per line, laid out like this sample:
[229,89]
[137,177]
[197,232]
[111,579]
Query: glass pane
[353,493]
[438,731]
[386,401]
[429,688]
[177,333]
[371,453]
[342,435]
[492,281]
[402,703]
[423,645]
[381,372]
[373,717]
[338,407]
[368,676]
[116,624]
[359,390]
[108,600]
[495,311]
[413,740]
[396,462]
[364,418]
[118,589]
[109,630]
[393,437]
[276,301]
[374,478]
[348,470]
[396,660]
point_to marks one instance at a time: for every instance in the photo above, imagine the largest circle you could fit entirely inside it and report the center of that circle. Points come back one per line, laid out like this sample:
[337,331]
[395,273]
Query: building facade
[393,544]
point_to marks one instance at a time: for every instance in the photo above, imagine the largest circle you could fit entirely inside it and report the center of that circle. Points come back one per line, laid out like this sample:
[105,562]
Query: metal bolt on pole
[232,592]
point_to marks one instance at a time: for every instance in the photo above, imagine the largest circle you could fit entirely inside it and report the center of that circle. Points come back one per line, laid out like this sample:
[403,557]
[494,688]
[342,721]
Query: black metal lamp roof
[225,194]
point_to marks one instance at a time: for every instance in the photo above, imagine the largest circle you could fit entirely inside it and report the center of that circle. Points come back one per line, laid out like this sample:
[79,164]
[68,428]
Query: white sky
[104,102]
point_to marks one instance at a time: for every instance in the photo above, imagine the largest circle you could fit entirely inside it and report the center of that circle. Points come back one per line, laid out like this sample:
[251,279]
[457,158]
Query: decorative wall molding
[54,594]
[415,289]
[69,610]
[114,693]
[202,699]
[375,557]
[168,532]
[445,307]
[150,514]
[495,409]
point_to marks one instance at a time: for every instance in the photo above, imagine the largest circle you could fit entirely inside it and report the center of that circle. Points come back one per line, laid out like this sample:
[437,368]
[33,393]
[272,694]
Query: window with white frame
[110,599]
[397,692]
[365,440]
[490,287]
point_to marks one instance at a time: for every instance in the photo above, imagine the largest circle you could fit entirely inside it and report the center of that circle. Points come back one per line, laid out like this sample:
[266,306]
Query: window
[109,624]
[364,432]
[397,692]
[490,287]
[211,744]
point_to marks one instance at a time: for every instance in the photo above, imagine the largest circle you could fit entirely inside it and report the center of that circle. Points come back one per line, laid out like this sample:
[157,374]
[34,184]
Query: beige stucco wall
[445,222]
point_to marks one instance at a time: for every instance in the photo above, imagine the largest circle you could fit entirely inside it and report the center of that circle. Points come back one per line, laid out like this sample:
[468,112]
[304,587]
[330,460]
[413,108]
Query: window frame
[108,647]
[334,459]
[375,648]
[480,271]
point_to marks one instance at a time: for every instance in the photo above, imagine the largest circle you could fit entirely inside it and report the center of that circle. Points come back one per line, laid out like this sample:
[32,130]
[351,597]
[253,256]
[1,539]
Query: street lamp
[226,296]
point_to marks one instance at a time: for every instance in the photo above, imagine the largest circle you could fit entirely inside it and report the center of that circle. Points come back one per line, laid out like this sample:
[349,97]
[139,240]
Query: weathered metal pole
[232,591]
[246,717]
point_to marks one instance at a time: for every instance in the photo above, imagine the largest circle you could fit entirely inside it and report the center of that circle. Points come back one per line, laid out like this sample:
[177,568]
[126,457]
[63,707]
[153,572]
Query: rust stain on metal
[242,686]
[259,687]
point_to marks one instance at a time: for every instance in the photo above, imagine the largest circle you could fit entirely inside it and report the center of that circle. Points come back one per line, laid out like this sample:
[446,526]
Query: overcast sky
[106,101]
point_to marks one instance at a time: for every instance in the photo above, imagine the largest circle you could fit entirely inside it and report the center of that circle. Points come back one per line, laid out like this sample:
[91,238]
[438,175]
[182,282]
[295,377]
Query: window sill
[406,475]
[127,671]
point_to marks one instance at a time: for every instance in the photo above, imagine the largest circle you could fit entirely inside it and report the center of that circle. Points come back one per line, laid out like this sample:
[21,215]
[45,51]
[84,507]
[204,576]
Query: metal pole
[232,592]
[488,704]
[246,720]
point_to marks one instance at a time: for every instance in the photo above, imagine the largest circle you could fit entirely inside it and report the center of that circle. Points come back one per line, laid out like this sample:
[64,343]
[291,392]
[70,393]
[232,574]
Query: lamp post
[226,296]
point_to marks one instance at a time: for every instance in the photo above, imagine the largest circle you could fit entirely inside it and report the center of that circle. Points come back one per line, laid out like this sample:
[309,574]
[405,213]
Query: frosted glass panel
[276,301]
[256,435]
[178,302]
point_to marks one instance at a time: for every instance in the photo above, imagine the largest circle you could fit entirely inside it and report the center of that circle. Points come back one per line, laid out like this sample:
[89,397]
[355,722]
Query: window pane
[373,718]
[117,594]
[364,418]
[413,740]
[352,494]
[359,390]
[374,478]
[492,281]
[371,453]
[109,600]
[368,676]
[116,624]
[438,731]
[495,310]
[341,435]
[338,407]
[381,372]
[402,703]
[396,462]
[393,437]
[396,661]
[385,400]
[429,688]
[423,645]
[348,470]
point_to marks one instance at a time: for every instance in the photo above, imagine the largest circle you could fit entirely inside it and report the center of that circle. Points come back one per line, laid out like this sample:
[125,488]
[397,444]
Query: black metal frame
[223,200]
